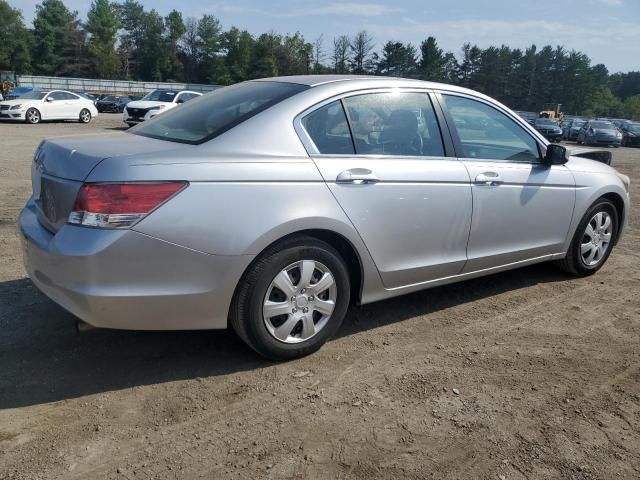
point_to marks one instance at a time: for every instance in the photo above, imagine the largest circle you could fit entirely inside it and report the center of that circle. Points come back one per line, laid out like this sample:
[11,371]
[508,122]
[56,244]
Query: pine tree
[103,23]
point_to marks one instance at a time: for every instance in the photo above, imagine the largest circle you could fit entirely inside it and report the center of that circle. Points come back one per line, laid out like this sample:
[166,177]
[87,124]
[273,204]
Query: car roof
[316,80]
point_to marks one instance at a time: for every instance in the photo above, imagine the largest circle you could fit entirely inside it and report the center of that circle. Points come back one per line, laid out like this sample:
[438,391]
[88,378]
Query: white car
[154,103]
[40,105]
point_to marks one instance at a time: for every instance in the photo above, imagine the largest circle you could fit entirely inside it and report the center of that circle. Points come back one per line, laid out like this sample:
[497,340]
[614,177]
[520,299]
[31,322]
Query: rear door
[383,157]
[522,208]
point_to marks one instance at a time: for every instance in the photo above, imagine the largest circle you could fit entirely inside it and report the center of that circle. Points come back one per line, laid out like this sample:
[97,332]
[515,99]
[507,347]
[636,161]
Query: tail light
[119,205]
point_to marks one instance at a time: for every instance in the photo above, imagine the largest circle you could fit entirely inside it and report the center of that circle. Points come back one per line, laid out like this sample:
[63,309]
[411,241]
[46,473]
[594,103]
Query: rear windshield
[212,114]
[544,121]
[604,125]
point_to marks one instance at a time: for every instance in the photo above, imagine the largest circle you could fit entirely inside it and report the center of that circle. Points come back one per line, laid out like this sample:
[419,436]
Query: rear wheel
[292,300]
[85,116]
[33,116]
[593,240]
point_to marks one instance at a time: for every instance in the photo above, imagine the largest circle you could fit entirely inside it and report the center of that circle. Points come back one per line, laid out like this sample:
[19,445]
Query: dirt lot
[546,370]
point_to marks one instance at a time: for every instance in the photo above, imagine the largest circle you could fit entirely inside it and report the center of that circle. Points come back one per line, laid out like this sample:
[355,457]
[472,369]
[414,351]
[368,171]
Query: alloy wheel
[299,301]
[596,239]
[85,116]
[33,116]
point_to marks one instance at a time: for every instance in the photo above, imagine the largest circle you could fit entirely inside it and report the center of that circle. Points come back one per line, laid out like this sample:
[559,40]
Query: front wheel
[85,116]
[593,241]
[292,300]
[33,116]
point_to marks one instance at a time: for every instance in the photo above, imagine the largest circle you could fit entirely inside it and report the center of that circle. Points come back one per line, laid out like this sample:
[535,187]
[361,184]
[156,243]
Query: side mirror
[49,99]
[180,101]
[556,155]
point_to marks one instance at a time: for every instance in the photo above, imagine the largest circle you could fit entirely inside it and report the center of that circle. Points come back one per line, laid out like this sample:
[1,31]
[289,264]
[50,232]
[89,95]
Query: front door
[54,106]
[387,168]
[522,208]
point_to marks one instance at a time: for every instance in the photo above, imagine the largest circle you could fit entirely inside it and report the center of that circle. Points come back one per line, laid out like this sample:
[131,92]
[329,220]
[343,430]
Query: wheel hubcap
[33,116]
[299,301]
[596,239]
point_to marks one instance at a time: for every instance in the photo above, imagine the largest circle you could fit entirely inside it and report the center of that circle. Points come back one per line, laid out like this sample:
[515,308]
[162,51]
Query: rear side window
[399,124]
[329,130]
[210,115]
[486,133]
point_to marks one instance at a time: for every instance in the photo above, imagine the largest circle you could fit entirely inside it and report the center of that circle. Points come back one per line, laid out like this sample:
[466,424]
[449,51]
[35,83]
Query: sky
[608,31]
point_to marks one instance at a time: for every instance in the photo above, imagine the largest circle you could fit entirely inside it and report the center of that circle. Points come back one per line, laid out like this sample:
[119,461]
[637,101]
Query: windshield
[578,123]
[634,127]
[33,96]
[210,115]
[603,125]
[160,96]
[544,121]
[110,98]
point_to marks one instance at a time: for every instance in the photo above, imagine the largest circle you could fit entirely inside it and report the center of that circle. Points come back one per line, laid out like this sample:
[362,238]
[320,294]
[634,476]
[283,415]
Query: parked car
[154,103]
[600,132]
[112,103]
[88,96]
[528,116]
[48,105]
[572,129]
[550,129]
[18,91]
[630,134]
[264,204]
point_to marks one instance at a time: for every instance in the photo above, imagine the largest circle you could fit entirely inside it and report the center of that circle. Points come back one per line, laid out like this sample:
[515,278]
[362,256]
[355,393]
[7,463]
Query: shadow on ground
[43,359]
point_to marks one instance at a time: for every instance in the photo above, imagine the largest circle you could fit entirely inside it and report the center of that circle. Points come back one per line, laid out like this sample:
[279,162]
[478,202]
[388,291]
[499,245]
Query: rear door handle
[357,176]
[489,178]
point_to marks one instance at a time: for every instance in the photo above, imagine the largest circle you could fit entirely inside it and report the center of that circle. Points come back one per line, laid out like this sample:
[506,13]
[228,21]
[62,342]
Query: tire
[33,116]
[574,263]
[85,116]
[300,318]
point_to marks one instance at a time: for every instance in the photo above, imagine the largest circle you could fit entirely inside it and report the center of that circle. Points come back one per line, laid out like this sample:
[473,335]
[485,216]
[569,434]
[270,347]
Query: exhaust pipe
[83,326]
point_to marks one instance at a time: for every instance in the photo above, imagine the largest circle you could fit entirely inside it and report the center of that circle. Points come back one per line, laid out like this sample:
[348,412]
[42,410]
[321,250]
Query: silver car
[272,205]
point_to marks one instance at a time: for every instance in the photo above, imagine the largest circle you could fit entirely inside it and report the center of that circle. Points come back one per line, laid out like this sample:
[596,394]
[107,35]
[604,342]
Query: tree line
[123,40]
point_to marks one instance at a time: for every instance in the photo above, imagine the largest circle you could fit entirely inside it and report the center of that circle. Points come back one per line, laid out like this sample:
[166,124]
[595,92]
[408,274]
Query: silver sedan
[272,205]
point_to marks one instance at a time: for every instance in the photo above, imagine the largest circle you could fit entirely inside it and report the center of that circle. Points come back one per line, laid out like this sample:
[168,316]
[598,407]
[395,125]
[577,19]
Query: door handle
[489,178]
[357,176]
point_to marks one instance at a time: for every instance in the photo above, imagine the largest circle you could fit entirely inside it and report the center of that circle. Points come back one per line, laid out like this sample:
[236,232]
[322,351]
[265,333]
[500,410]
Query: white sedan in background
[154,103]
[40,105]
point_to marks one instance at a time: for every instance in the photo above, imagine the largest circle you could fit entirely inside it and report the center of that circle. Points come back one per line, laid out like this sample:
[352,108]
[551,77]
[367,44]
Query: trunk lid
[61,165]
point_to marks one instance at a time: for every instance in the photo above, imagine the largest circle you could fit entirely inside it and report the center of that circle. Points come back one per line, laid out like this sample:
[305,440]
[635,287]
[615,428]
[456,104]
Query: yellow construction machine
[552,112]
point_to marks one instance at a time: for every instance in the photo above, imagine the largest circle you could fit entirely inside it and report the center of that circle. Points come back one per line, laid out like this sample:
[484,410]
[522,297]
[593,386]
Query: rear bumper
[127,280]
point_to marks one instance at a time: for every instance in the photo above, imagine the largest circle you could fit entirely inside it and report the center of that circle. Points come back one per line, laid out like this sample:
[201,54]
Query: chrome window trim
[313,151]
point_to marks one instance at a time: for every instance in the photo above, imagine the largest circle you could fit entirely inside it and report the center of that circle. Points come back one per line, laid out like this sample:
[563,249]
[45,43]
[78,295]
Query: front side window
[486,133]
[210,115]
[329,130]
[57,96]
[185,97]
[402,124]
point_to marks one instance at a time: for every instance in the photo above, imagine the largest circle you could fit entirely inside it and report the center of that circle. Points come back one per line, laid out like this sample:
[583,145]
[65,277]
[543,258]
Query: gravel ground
[522,375]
